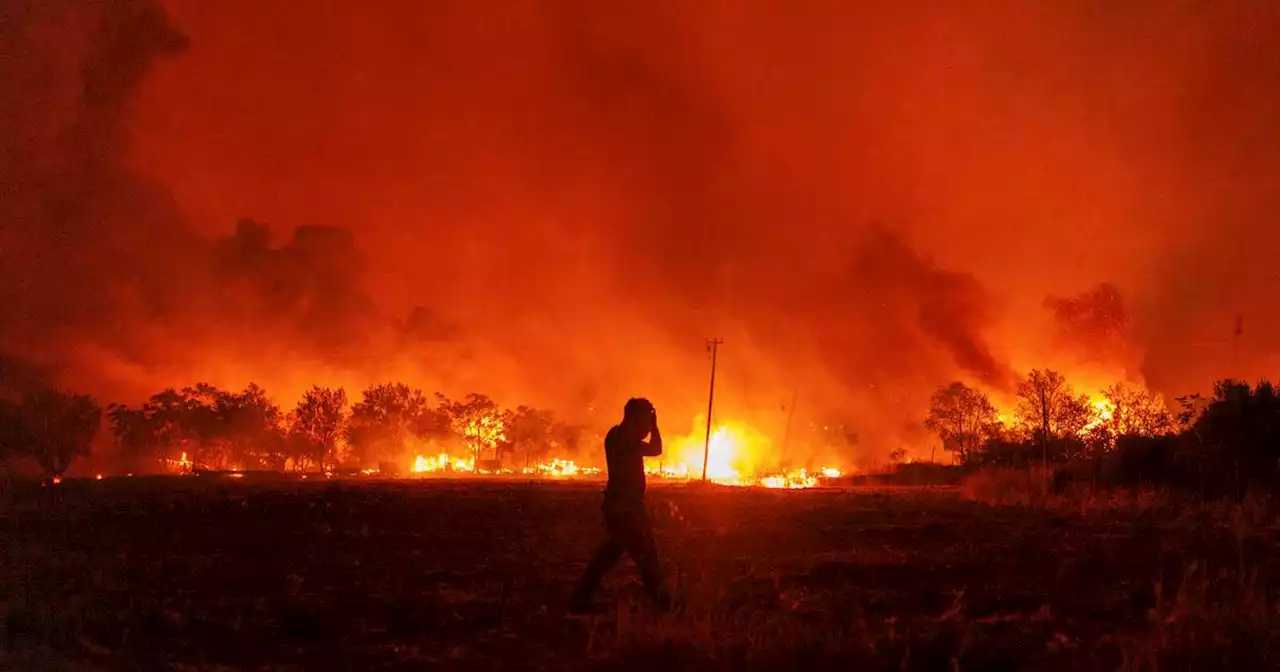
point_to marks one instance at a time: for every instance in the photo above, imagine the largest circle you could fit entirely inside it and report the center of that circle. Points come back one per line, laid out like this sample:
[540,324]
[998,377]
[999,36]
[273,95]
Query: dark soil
[199,573]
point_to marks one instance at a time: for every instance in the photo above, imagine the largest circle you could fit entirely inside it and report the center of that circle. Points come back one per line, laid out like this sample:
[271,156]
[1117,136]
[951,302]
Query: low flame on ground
[444,463]
[441,462]
[735,456]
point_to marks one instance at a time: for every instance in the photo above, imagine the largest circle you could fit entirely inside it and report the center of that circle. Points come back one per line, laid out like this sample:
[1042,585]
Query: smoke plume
[557,202]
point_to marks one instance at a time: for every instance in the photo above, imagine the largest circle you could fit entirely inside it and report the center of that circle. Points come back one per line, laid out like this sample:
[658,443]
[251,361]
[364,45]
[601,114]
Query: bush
[912,474]
[1024,454]
[1145,461]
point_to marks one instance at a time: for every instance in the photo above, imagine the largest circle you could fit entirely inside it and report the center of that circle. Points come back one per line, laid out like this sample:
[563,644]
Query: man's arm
[652,448]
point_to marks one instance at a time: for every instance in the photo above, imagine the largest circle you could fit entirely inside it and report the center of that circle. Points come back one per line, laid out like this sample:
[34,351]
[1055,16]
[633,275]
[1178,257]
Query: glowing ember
[97,477]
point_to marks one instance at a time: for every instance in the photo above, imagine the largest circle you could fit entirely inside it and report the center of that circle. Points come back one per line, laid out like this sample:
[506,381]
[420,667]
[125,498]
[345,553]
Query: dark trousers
[627,531]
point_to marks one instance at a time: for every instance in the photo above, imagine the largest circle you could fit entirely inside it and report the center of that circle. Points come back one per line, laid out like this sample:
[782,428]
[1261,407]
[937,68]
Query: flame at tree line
[395,429]
[736,451]
[739,455]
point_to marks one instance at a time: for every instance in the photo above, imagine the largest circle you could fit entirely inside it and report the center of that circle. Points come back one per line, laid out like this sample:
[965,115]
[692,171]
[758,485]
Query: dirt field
[201,574]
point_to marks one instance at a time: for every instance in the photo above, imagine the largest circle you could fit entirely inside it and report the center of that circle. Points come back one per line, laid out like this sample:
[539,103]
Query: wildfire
[737,456]
[1100,412]
[558,467]
[182,465]
[442,462]
[734,457]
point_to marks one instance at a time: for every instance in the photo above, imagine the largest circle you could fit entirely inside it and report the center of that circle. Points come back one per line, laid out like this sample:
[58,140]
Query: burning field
[314,319]
[734,457]
[185,573]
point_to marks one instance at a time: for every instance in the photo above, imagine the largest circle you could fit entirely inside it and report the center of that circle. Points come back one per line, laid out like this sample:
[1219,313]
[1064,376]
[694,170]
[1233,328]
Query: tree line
[203,426]
[1222,445]
[1048,414]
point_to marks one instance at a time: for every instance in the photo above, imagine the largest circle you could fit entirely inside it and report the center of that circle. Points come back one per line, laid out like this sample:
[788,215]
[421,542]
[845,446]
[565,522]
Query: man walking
[626,522]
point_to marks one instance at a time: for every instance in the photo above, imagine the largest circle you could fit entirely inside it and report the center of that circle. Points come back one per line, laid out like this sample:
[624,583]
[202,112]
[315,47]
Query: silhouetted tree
[384,421]
[1136,411]
[529,434]
[479,421]
[962,417]
[196,417]
[1234,444]
[317,425]
[161,430]
[1046,400]
[248,424]
[135,435]
[567,438]
[1130,411]
[50,427]
[211,427]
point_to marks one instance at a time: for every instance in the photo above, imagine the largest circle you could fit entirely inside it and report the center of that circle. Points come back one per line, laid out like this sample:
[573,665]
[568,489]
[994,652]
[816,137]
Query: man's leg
[606,557]
[639,542]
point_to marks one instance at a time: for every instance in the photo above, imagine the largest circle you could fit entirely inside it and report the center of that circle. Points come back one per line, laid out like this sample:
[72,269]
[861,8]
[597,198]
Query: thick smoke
[1096,328]
[556,202]
[88,244]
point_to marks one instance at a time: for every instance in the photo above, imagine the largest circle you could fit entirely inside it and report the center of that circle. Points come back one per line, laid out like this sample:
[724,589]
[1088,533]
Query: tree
[1234,444]
[479,421]
[167,426]
[567,438]
[134,434]
[962,417]
[212,428]
[317,425]
[385,419]
[1046,402]
[249,424]
[169,415]
[530,434]
[51,427]
[1137,411]
[196,420]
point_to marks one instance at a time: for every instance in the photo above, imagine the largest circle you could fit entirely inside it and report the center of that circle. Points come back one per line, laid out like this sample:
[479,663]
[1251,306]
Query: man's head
[638,414]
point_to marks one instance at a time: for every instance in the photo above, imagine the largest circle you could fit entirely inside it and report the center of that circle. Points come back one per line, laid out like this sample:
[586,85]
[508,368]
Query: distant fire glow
[737,453]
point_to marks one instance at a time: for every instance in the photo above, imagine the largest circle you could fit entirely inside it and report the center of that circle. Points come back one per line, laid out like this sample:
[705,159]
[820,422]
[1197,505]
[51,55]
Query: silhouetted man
[625,519]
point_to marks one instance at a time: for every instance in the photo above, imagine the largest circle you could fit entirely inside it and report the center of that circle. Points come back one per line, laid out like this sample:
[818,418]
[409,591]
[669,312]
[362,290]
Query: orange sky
[590,189]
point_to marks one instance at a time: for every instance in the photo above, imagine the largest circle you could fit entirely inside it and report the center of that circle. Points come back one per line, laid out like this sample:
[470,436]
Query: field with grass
[199,573]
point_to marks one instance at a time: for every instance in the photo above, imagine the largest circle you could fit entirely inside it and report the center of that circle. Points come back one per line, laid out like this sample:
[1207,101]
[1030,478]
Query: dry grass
[1005,486]
[475,575]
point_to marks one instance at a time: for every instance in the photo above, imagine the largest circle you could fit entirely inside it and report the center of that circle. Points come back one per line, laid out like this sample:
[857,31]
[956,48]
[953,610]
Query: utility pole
[713,345]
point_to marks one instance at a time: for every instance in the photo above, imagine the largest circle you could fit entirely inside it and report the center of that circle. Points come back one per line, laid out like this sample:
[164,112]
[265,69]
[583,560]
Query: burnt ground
[198,574]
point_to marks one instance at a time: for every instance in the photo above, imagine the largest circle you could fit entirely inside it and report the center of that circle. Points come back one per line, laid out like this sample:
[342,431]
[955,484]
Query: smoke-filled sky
[556,202]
